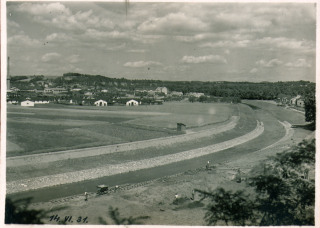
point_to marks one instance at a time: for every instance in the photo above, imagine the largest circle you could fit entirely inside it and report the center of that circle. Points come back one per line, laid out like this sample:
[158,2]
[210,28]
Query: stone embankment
[82,175]
[96,151]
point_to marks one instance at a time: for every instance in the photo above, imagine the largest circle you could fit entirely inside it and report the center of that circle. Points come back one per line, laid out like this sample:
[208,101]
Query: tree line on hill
[243,90]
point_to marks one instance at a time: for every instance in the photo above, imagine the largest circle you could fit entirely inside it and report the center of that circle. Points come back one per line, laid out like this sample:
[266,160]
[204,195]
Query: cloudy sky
[165,41]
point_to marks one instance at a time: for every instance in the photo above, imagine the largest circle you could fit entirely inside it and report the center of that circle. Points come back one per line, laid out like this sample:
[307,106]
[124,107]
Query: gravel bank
[70,177]
[79,153]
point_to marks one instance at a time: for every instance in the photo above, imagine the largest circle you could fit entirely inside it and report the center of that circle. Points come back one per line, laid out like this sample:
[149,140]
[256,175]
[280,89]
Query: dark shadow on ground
[18,212]
[310,126]
[251,106]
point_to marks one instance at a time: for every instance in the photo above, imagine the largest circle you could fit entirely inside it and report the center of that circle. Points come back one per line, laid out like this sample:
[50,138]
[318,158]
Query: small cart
[102,189]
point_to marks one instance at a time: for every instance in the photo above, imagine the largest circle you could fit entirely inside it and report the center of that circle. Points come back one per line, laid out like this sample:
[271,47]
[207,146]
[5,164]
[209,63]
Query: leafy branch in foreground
[18,212]
[228,207]
[115,216]
[284,193]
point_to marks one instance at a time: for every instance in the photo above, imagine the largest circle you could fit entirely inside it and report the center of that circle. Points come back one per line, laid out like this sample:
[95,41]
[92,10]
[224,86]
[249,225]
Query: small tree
[310,107]
[203,98]
[192,99]
[18,212]
[115,216]
[228,207]
[285,195]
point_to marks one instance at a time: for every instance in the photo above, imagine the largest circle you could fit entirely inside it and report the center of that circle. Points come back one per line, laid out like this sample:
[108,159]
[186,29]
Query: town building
[76,89]
[300,103]
[27,103]
[101,103]
[132,103]
[195,94]
[283,99]
[293,101]
[175,93]
[162,90]
[41,102]
[13,102]
[55,90]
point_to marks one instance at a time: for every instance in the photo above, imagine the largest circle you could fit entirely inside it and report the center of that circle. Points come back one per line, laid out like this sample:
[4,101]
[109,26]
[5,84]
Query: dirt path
[71,177]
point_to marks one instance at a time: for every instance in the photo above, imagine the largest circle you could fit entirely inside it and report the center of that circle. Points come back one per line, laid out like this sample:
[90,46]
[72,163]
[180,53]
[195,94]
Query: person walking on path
[208,165]
[86,196]
[192,195]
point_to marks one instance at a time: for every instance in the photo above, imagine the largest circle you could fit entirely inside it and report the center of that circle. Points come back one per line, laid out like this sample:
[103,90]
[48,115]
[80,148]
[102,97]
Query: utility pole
[8,74]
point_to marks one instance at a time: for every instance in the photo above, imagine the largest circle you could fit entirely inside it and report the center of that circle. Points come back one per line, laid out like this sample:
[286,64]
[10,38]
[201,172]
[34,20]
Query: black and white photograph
[173,113]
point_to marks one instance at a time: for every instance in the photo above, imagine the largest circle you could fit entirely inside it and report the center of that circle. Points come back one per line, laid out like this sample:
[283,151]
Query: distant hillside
[243,90]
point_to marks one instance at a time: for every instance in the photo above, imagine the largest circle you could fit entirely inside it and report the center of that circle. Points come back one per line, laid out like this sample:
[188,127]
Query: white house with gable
[101,103]
[132,103]
[162,90]
[27,103]
[293,101]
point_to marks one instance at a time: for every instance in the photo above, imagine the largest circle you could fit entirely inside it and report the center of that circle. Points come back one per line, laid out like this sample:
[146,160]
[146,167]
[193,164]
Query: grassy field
[47,128]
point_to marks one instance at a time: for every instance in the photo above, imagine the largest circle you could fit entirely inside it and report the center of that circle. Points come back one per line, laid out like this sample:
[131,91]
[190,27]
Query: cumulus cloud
[204,59]
[226,44]
[271,63]
[117,47]
[254,70]
[269,43]
[299,63]
[142,64]
[173,22]
[136,51]
[13,28]
[58,37]
[49,57]
[101,35]
[73,59]
[146,39]
[177,68]
[12,24]
[93,28]
[60,16]
[23,40]
[287,43]
[79,20]
[195,38]
[234,20]
[43,9]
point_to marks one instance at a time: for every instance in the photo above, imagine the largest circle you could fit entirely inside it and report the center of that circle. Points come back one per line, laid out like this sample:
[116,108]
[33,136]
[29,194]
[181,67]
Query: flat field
[48,128]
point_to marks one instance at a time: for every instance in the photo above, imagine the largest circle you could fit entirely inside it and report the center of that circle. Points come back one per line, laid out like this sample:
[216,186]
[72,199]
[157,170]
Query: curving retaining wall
[88,152]
[71,177]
